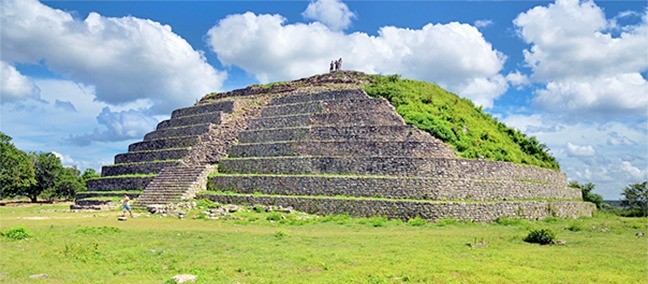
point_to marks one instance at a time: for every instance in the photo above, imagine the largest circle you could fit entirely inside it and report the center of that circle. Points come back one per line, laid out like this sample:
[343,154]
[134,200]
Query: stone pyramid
[322,145]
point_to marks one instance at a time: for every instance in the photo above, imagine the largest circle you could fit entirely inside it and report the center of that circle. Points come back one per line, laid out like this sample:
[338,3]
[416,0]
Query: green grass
[457,121]
[273,247]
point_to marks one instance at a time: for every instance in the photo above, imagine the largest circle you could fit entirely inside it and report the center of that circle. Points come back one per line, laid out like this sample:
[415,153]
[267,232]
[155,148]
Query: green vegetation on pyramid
[456,121]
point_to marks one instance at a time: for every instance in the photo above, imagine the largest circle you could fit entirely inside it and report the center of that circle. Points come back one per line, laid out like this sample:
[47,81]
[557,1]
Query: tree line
[633,204]
[37,175]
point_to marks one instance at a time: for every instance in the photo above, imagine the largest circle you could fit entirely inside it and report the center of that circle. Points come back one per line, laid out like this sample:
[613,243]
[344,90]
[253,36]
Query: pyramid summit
[324,145]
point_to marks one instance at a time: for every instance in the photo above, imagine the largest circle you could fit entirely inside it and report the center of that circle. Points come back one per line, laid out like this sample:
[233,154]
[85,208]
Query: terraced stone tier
[136,168]
[95,194]
[338,119]
[190,130]
[327,133]
[154,155]
[392,187]
[392,166]
[415,149]
[406,209]
[345,105]
[212,117]
[321,96]
[119,183]
[164,143]
[219,106]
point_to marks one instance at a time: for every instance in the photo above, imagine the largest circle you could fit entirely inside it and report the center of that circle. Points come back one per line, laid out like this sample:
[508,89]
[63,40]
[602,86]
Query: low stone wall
[212,117]
[119,183]
[320,96]
[413,149]
[325,133]
[135,168]
[346,105]
[175,142]
[222,106]
[191,130]
[394,187]
[392,166]
[338,119]
[398,209]
[157,155]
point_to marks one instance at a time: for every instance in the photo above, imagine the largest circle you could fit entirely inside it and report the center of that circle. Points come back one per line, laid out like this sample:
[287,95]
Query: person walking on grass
[126,206]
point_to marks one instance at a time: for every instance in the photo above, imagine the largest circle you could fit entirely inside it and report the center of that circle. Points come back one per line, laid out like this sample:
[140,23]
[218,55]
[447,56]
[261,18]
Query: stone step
[343,105]
[321,96]
[407,209]
[218,106]
[165,143]
[173,183]
[415,149]
[338,119]
[392,166]
[212,117]
[419,188]
[190,130]
[119,183]
[327,133]
[85,194]
[136,168]
[155,155]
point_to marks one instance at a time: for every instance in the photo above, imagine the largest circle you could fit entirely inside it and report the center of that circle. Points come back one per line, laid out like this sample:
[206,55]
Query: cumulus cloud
[126,59]
[15,86]
[454,55]
[517,79]
[120,125]
[610,154]
[483,23]
[580,151]
[332,13]
[64,105]
[585,66]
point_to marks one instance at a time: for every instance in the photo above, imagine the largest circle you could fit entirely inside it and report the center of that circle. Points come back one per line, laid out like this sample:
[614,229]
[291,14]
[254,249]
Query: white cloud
[483,23]
[578,150]
[584,65]
[121,125]
[332,13]
[454,55]
[15,86]
[517,79]
[125,59]
[610,154]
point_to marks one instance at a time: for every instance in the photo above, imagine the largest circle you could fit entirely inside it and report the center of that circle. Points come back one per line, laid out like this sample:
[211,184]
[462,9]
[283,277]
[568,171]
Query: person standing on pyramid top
[339,64]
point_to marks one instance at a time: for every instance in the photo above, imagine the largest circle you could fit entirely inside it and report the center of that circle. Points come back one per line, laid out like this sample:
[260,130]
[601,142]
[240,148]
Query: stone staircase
[161,152]
[336,152]
[174,184]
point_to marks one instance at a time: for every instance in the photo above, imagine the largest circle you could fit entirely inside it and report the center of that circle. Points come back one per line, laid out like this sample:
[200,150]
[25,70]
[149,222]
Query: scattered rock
[233,208]
[184,278]
[38,276]
[122,218]
[640,234]
[561,242]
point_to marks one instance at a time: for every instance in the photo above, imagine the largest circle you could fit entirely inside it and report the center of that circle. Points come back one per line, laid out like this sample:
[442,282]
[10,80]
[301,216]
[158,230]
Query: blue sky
[84,79]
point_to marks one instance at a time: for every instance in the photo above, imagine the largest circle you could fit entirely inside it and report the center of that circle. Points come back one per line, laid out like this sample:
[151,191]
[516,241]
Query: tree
[635,199]
[67,184]
[89,174]
[586,191]
[48,170]
[16,169]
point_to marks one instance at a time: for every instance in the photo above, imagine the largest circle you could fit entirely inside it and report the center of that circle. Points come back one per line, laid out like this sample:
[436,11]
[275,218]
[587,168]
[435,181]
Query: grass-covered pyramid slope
[456,121]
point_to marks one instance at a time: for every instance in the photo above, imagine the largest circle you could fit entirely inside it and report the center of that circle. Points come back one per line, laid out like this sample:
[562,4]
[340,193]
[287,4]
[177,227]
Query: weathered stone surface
[164,143]
[326,133]
[219,106]
[119,183]
[190,130]
[211,117]
[152,155]
[184,278]
[403,209]
[394,187]
[391,166]
[135,168]
[414,149]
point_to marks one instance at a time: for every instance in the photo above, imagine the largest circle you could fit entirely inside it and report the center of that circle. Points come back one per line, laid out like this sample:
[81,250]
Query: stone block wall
[400,209]
[416,188]
[155,155]
[119,183]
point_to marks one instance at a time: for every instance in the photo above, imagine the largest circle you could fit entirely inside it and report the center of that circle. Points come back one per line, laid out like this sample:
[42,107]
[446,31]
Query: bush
[18,233]
[417,222]
[541,236]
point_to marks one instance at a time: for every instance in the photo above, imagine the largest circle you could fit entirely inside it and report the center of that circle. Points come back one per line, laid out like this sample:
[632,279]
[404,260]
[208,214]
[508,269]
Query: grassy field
[252,247]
